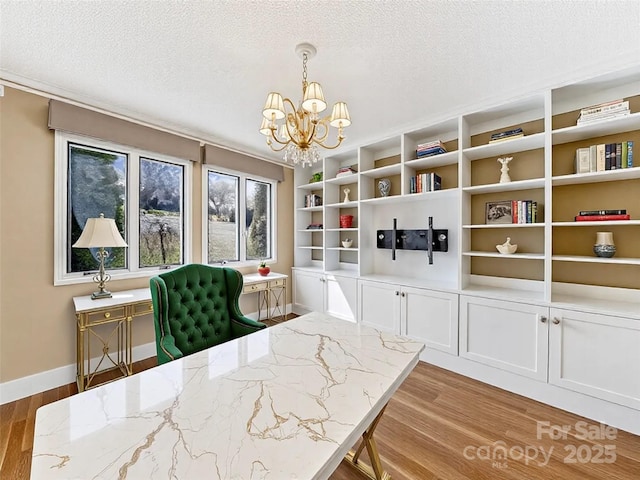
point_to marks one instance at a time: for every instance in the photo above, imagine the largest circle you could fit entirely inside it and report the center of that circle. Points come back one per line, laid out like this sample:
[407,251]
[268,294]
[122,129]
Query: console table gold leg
[375,470]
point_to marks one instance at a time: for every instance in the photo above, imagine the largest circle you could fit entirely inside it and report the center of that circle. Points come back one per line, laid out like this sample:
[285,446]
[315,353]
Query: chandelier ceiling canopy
[299,131]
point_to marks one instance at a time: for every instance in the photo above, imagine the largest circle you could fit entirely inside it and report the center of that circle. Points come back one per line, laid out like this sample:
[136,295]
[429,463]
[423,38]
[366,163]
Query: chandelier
[300,131]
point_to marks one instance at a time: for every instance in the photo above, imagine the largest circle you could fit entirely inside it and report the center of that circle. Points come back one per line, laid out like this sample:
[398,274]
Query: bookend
[398,239]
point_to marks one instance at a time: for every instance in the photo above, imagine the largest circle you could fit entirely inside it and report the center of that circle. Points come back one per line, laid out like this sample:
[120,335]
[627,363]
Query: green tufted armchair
[196,307]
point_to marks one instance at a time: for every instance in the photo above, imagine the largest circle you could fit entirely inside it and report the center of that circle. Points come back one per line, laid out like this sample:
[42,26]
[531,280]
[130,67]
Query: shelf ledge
[519,256]
[588,259]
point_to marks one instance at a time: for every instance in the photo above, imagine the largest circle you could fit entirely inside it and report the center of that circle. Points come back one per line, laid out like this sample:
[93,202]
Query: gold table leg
[373,471]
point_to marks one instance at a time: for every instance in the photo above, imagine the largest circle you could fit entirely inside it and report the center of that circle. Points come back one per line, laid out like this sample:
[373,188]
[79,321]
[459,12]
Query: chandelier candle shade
[299,131]
[100,233]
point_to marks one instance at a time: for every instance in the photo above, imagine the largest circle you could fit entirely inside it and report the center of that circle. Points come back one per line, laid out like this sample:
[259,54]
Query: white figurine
[504,177]
[346,195]
[507,247]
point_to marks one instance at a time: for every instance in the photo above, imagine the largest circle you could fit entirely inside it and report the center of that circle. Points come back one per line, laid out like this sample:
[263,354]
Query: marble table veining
[287,402]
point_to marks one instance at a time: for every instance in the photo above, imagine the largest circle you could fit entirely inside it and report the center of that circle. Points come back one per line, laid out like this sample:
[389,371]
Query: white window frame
[240,216]
[133,270]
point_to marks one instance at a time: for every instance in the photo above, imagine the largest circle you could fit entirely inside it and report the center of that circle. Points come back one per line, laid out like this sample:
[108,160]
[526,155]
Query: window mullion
[133,212]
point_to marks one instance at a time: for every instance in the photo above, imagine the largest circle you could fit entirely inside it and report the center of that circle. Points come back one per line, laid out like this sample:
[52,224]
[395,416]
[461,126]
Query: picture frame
[498,212]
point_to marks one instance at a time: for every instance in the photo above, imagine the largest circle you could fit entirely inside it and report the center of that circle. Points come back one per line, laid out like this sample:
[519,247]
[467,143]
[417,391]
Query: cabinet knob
[556,320]
[543,319]
[397,293]
[402,294]
[107,314]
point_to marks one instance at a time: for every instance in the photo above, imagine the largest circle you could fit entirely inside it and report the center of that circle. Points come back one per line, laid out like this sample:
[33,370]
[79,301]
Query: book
[584,213]
[431,152]
[615,107]
[607,156]
[600,106]
[510,137]
[624,155]
[506,133]
[583,161]
[629,154]
[600,157]
[618,156]
[603,116]
[592,158]
[600,218]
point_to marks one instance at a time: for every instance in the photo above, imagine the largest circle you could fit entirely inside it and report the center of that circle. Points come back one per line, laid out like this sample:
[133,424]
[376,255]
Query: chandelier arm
[321,137]
[340,139]
[277,149]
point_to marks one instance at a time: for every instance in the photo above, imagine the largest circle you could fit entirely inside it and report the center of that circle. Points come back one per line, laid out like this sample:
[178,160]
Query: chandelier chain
[304,72]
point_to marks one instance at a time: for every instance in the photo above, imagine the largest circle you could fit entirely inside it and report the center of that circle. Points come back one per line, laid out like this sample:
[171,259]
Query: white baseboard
[57,377]
[609,413]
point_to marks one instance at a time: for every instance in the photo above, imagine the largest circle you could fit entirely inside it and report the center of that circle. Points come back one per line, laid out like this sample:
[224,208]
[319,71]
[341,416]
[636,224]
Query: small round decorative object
[384,186]
[605,251]
[264,270]
[346,243]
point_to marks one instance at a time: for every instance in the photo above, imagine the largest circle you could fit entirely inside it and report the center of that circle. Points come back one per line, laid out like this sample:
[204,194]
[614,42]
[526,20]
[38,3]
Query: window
[147,194]
[239,217]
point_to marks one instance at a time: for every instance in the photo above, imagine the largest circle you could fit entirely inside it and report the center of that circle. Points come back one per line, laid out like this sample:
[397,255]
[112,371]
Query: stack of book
[432,148]
[312,200]
[524,211]
[602,215]
[604,111]
[425,182]
[344,171]
[506,135]
[605,156]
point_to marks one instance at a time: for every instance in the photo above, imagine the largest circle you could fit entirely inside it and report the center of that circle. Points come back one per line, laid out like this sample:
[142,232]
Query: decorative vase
[604,246]
[346,221]
[347,243]
[264,271]
[384,186]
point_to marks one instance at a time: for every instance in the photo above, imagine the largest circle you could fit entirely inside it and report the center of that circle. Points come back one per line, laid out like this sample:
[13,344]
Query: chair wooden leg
[375,470]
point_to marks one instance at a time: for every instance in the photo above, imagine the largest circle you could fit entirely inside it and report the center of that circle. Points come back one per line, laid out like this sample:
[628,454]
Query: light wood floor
[432,429]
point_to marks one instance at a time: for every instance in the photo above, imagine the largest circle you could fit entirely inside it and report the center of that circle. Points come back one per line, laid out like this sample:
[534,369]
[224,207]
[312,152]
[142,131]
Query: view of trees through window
[222,212]
[161,215]
[224,223]
[97,183]
[258,221]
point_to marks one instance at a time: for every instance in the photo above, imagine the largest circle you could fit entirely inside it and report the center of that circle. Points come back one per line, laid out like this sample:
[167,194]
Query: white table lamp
[100,233]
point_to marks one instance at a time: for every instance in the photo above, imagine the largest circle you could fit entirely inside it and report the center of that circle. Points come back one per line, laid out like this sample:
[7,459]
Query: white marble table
[287,402]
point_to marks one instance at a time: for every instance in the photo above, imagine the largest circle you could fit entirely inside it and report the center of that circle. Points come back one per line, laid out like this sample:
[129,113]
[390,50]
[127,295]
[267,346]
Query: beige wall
[37,329]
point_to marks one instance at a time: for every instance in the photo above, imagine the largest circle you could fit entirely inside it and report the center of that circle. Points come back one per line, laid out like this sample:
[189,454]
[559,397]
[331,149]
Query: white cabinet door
[507,335]
[308,291]
[341,294]
[431,317]
[379,305]
[598,355]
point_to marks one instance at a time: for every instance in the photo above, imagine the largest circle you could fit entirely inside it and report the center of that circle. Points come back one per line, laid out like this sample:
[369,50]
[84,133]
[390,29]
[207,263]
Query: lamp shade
[313,100]
[100,232]
[340,115]
[273,106]
[264,127]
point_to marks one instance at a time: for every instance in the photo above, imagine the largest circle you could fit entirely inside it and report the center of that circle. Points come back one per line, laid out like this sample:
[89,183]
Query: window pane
[258,220]
[222,231]
[97,181]
[161,213]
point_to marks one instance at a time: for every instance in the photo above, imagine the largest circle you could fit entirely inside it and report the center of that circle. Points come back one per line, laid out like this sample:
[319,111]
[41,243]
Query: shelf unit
[554,253]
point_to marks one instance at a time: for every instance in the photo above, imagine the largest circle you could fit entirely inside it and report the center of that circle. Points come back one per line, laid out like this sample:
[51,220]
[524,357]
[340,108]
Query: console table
[288,401]
[117,313]
[272,286]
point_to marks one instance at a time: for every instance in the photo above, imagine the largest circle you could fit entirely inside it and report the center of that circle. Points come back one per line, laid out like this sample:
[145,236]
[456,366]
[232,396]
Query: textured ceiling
[204,68]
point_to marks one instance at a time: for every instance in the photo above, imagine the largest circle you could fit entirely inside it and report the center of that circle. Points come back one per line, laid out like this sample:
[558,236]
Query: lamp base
[101,294]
